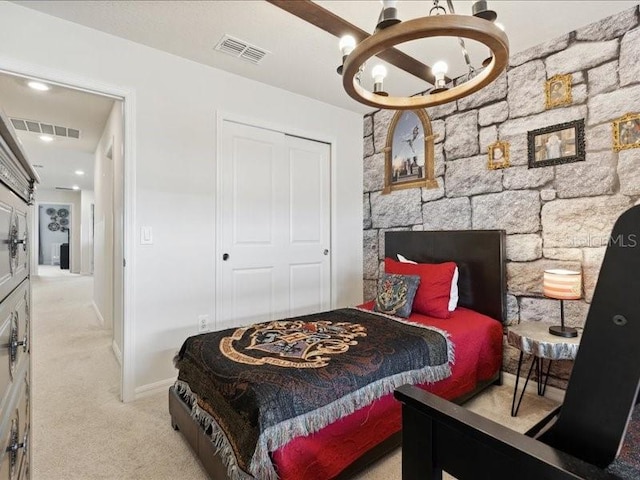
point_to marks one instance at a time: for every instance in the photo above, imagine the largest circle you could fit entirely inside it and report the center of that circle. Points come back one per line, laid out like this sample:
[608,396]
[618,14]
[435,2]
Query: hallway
[81,430]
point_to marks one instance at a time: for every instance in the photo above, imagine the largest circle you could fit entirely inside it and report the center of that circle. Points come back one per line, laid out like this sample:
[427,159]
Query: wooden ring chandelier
[450,25]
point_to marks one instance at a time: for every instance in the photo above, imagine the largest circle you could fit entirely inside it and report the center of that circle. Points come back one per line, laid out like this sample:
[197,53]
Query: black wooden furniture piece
[580,439]
[480,256]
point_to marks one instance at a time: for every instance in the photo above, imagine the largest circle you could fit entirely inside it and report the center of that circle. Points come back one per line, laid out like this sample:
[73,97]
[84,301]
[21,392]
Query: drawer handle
[14,447]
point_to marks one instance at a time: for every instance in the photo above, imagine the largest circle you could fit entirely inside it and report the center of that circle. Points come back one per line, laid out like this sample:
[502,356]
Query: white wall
[71,198]
[86,232]
[175,164]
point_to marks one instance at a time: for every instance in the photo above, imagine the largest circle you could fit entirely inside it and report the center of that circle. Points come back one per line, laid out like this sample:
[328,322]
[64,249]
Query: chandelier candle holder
[562,285]
[390,31]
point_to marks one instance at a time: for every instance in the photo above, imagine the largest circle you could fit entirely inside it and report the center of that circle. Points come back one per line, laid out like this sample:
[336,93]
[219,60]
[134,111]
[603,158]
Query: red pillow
[433,293]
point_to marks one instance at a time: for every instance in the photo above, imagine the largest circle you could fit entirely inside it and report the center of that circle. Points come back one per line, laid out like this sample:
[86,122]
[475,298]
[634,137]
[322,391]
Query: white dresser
[17,179]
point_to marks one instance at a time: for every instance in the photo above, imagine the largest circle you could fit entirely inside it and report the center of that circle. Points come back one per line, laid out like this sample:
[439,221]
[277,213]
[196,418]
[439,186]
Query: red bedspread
[323,455]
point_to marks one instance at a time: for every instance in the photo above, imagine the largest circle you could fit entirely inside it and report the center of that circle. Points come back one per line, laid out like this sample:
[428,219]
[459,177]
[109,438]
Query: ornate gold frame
[566,98]
[617,123]
[429,180]
[504,162]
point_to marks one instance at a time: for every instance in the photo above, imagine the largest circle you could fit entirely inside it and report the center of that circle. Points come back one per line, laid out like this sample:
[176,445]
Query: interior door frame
[127,95]
[221,117]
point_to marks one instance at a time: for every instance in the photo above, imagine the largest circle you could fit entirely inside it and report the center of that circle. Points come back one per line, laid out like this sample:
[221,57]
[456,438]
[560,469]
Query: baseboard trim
[552,393]
[97,310]
[117,352]
[153,388]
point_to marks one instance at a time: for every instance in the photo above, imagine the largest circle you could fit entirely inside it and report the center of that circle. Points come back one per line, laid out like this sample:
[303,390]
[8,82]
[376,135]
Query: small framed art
[557,144]
[558,91]
[498,155]
[626,132]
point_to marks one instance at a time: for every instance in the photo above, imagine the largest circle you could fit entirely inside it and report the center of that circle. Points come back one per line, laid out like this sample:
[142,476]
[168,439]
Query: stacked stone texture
[555,217]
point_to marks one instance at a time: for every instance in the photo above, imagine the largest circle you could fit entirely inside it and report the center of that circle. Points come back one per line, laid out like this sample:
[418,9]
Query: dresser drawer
[24,415]
[11,448]
[14,242]
[14,338]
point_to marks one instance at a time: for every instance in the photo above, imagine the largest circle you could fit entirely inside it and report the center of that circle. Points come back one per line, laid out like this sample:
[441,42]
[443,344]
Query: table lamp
[562,285]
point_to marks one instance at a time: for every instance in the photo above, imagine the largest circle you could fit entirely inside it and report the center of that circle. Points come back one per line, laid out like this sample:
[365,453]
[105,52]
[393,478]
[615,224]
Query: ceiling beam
[337,26]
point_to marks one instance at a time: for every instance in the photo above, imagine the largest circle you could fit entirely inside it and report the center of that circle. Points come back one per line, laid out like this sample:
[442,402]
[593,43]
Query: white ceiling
[303,58]
[64,107]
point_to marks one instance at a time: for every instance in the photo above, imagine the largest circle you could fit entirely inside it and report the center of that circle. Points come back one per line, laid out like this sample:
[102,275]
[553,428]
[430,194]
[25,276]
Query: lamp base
[566,332]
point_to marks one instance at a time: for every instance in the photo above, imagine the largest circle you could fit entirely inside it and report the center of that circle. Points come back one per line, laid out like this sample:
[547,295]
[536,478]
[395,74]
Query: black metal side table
[534,339]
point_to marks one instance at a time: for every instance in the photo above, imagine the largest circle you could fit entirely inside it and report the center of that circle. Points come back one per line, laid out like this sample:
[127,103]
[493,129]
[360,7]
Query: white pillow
[453,293]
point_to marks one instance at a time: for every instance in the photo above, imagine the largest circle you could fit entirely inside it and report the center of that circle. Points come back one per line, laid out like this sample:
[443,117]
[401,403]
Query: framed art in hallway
[557,144]
[498,156]
[409,157]
[558,91]
[626,132]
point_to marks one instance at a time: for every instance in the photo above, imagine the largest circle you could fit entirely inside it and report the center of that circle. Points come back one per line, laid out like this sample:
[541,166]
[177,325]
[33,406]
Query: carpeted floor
[82,431]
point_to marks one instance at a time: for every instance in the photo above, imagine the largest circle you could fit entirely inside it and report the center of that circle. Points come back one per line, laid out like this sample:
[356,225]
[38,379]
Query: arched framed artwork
[409,153]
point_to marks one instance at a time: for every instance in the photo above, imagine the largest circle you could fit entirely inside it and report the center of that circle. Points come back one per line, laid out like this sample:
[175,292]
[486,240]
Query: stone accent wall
[555,217]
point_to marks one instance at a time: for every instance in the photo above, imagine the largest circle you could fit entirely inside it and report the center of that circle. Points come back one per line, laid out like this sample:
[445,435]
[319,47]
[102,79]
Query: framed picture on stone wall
[558,91]
[626,132]
[557,144]
[498,155]
[409,152]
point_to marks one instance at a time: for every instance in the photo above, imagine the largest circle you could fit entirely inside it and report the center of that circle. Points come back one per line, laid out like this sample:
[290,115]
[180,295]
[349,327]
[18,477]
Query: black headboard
[479,254]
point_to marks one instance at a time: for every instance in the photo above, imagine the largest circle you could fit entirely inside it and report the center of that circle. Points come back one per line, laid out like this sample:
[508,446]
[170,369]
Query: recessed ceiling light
[79,172]
[76,187]
[46,138]
[41,87]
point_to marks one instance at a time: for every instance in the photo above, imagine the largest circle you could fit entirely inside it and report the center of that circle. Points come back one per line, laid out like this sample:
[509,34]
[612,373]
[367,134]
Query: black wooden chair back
[604,383]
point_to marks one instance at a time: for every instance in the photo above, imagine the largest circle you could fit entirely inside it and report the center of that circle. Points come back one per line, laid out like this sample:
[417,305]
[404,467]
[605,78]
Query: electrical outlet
[203,323]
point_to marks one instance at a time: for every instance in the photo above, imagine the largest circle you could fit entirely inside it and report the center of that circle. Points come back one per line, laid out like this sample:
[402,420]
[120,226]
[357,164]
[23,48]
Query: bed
[353,441]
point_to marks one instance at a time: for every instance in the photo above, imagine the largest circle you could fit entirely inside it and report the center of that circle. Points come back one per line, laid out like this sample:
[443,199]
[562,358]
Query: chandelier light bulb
[379,73]
[347,44]
[440,68]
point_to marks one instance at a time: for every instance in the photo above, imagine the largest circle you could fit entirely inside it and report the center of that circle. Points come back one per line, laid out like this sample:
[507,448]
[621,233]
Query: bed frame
[480,256]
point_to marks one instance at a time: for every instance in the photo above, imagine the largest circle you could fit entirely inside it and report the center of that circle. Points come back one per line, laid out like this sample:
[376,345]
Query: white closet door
[309,232]
[274,221]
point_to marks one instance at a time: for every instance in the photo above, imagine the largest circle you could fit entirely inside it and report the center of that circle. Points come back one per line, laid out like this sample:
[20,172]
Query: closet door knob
[225,256]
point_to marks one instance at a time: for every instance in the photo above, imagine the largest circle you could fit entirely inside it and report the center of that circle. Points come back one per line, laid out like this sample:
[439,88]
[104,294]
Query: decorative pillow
[396,294]
[434,291]
[453,294]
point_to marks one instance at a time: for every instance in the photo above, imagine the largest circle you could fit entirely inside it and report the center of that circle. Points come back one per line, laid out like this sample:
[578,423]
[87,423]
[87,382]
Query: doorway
[68,184]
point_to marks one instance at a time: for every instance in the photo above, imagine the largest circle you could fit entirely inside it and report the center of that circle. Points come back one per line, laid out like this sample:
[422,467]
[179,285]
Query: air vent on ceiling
[35,165]
[44,128]
[241,49]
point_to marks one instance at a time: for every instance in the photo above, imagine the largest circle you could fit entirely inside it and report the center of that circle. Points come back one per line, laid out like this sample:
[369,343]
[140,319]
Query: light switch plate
[146,236]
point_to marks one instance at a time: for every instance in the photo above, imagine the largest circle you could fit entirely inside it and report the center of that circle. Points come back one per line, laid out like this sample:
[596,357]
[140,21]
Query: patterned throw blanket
[256,388]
